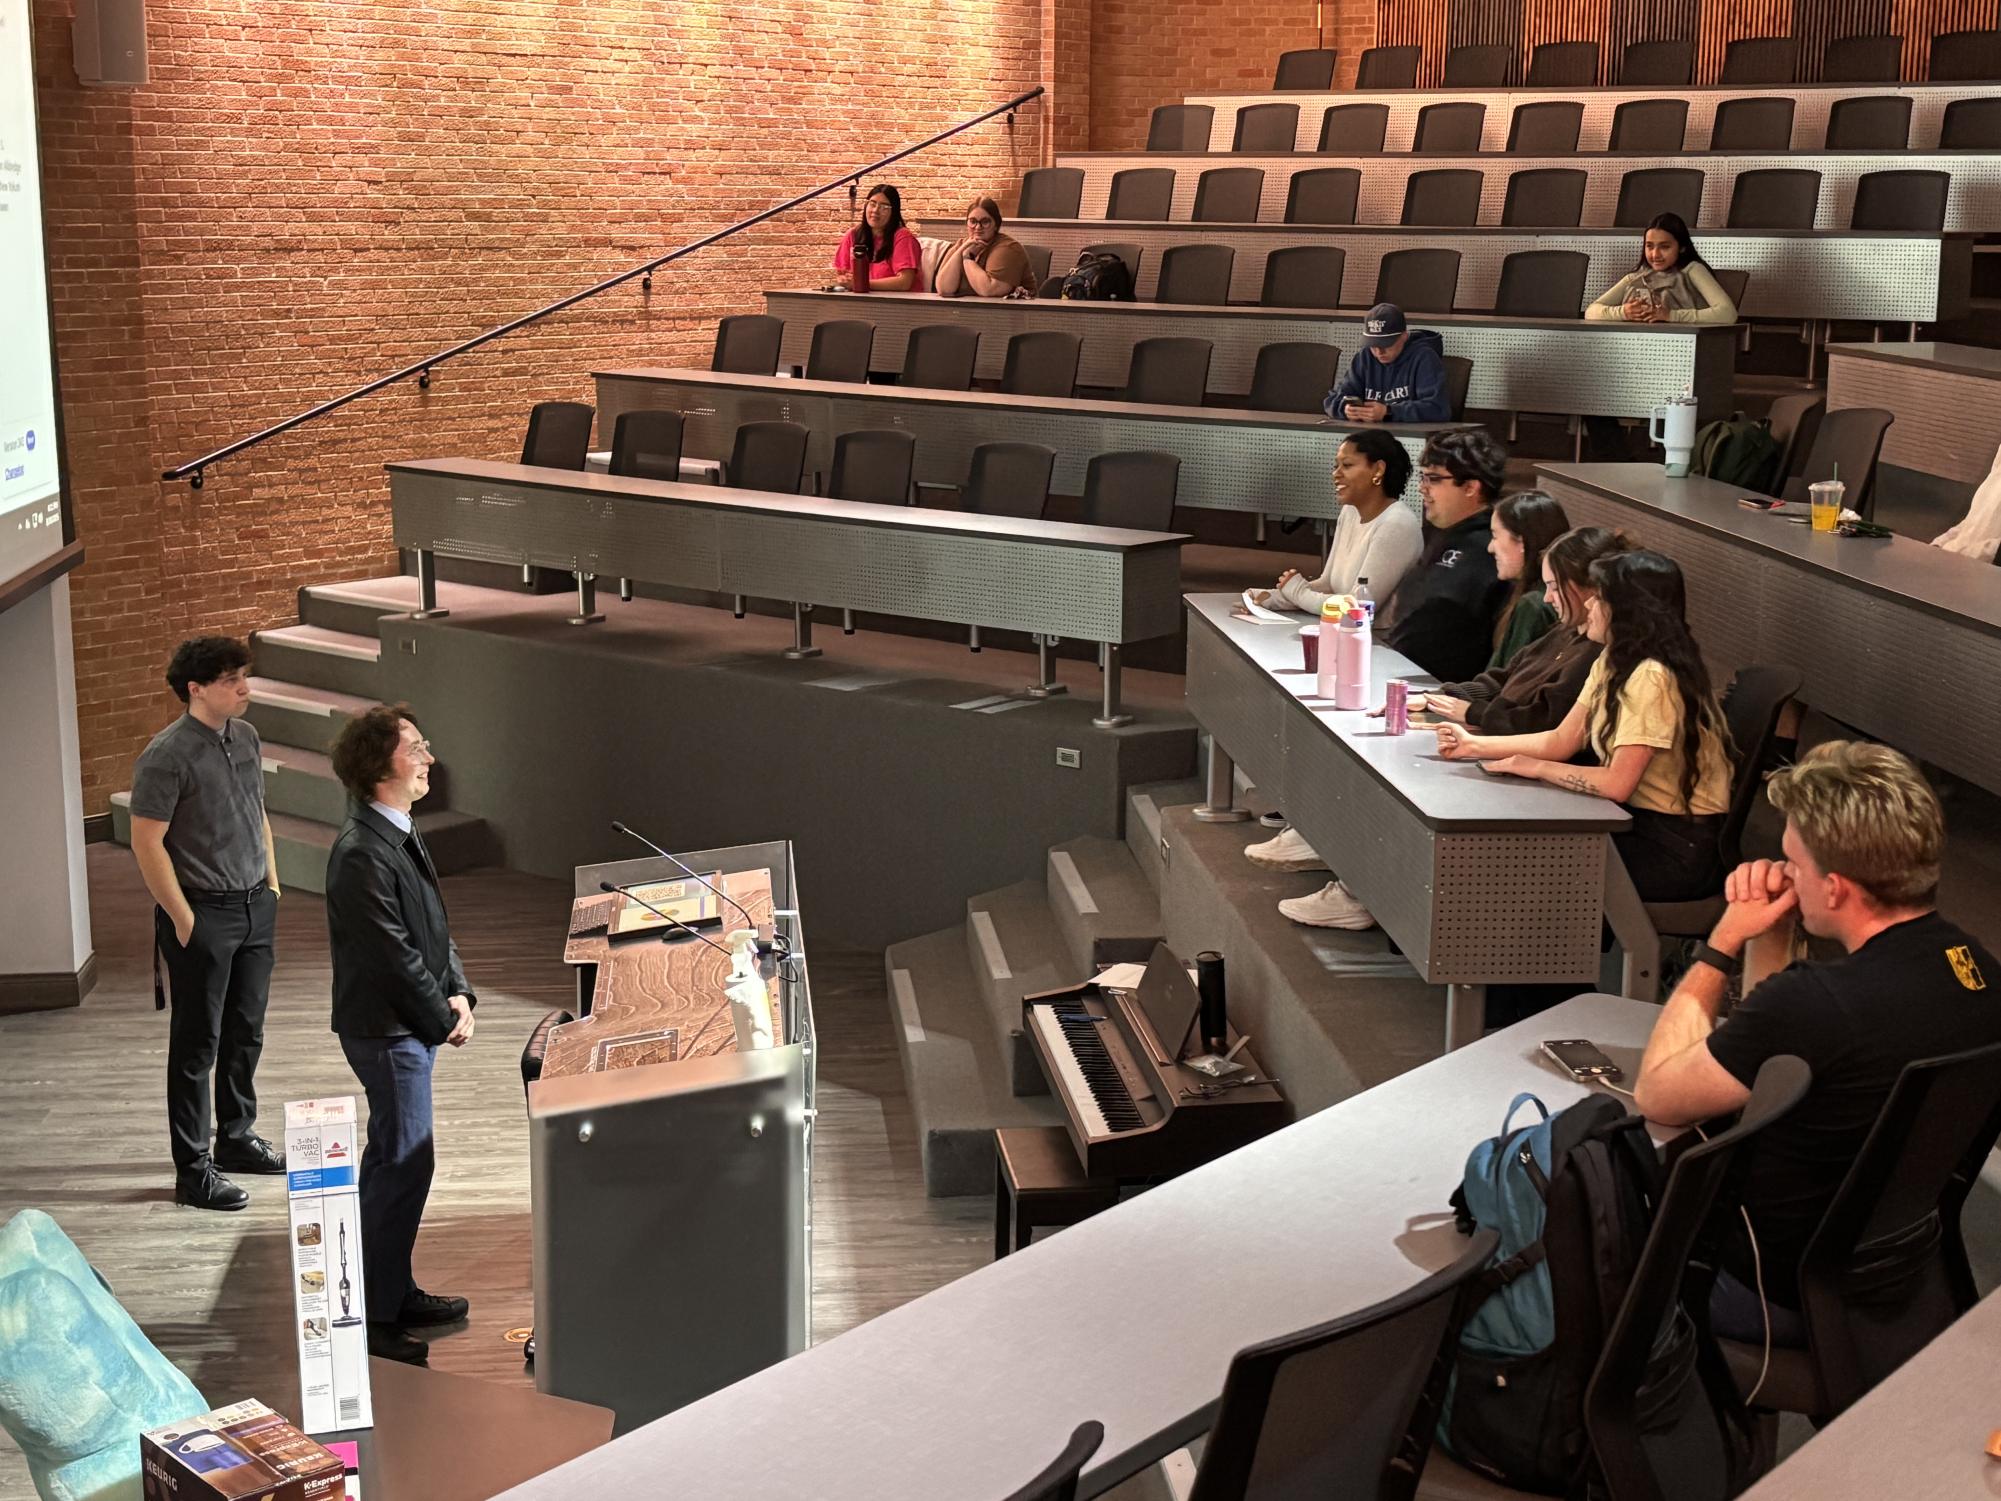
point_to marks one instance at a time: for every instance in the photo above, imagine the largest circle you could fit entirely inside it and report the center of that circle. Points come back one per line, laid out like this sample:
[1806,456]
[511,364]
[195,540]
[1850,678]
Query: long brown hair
[1570,558]
[1538,520]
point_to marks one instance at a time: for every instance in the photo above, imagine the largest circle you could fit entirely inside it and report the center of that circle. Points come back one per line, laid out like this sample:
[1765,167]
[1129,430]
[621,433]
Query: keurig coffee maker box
[246,1450]
[330,1310]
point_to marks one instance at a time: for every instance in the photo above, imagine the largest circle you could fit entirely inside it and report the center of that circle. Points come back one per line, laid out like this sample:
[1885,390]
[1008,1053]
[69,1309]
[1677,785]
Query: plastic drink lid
[1331,610]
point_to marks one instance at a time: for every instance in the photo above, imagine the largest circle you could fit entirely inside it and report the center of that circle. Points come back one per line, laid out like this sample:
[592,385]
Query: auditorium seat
[769,455]
[1420,279]
[1133,489]
[1658,64]
[1042,362]
[646,444]
[1646,192]
[1306,276]
[1757,60]
[840,350]
[747,344]
[1051,193]
[1774,198]
[1549,127]
[1478,67]
[1764,124]
[873,464]
[1228,195]
[1388,68]
[1848,442]
[1458,381]
[1793,420]
[1169,372]
[1966,57]
[1971,125]
[1655,126]
[1142,193]
[1542,284]
[1902,199]
[1545,198]
[1443,197]
[1354,129]
[1305,68]
[1293,377]
[1563,65]
[1126,251]
[1057,1481]
[1863,59]
[940,357]
[1195,275]
[1038,262]
[1734,281]
[559,434]
[1266,128]
[1180,127]
[1008,479]
[1323,195]
[1870,122]
[1452,129]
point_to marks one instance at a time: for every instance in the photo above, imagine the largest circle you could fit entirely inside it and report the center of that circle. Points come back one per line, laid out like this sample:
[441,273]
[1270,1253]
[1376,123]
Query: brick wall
[307,196]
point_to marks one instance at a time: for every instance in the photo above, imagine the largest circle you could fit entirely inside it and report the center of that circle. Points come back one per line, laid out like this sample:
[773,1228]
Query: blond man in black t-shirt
[1863,838]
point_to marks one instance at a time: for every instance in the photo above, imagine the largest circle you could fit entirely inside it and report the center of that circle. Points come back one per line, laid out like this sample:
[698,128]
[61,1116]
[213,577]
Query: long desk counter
[1833,274]
[1129,1317]
[1946,397]
[1443,854]
[1270,463]
[1519,364]
[1973,205]
[1812,102]
[1899,639]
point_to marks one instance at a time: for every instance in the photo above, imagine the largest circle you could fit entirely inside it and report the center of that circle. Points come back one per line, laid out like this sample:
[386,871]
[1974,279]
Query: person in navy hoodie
[1398,376]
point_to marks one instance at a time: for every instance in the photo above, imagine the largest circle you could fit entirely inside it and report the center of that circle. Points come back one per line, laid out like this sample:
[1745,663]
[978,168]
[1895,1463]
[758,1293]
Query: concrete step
[1328,1012]
[357,605]
[289,713]
[958,1085]
[1144,803]
[1014,948]
[1104,908]
[316,657]
[302,783]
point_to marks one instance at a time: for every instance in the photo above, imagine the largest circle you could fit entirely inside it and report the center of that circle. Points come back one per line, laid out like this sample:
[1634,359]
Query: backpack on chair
[1099,277]
[1739,451]
[1573,1198]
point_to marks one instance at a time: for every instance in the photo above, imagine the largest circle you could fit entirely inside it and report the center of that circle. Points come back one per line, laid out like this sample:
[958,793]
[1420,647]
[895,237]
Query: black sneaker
[421,1310]
[387,1342]
[205,1188]
[251,1155]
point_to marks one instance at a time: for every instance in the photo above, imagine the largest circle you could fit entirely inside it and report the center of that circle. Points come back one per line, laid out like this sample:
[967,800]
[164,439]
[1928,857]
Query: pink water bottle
[1351,662]
[1329,628]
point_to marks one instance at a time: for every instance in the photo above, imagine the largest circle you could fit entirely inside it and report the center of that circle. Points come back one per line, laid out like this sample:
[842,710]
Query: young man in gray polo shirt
[204,847]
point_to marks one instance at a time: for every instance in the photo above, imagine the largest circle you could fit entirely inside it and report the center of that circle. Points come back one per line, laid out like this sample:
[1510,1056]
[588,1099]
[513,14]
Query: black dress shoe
[422,1309]
[388,1342]
[251,1155]
[205,1188]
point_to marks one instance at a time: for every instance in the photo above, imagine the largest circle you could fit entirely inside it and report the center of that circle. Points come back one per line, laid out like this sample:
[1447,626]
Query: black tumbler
[1215,1014]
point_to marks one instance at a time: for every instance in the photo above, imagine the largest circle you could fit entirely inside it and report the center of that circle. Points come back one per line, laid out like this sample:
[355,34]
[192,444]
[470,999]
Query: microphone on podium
[769,940]
[628,892]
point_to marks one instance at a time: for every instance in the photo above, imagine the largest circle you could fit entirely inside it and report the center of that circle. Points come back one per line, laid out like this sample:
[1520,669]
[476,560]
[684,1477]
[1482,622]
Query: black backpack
[1099,276]
[1739,451]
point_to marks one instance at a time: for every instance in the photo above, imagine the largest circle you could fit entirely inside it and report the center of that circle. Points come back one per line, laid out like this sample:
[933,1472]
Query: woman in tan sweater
[1671,284]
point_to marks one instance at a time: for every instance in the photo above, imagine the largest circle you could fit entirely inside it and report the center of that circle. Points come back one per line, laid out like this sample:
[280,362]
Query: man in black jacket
[1443,612]
[398,993]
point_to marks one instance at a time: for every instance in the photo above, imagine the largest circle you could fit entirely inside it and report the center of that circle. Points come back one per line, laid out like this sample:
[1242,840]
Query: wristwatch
[1724,964]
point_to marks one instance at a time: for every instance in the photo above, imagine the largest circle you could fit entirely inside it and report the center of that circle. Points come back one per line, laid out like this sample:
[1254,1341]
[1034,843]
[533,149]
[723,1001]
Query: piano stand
[1038,1183]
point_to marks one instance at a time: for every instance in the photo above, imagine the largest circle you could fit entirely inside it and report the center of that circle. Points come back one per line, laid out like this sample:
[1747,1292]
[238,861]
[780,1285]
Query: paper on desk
[1263,616]
[1122,976]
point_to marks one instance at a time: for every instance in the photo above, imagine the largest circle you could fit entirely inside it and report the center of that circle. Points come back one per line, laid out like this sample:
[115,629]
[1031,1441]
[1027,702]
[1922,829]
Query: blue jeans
[397,1164]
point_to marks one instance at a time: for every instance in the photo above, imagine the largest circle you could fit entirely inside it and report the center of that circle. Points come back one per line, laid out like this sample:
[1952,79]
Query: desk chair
[1549,127]
[1847,443]
[1145,193]
[1443,197]
[1307,276]
[1134,489]
[1886,1269]
[1870,122]
[873,464]
[1180,127]
[1420,279]
[1266,128]
[1901,199]
[1197,275]
[1794,420]
[1863,59]
[1458,380]
[1971,124]
[1542,284]
[768,455]
[747,344]
[1481,67]
[1452,129]
[1051,193]
[1647,191]
[1657,126]
[1660,64]
[1774,198]
[1965,57]
[1058,1481]
[559,434]
[1228,195]
[1354,129]
[1042,362]
[840,350]
[1757,60]
[1038,263]
[1563,65]
[1545,198]
[1168,372]
[1388,68]
[1323,195]
[1293,377]
[940,357]
[1753,125]
[1305,68]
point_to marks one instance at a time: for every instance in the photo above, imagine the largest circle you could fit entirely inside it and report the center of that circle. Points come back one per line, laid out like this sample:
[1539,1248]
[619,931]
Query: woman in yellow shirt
[1650,717]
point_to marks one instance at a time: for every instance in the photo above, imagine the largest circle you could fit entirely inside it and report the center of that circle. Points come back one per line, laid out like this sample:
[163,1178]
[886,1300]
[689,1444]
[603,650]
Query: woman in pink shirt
[889,250]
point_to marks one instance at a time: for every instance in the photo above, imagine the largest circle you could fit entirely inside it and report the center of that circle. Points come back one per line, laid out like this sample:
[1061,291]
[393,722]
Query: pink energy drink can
[1396,708]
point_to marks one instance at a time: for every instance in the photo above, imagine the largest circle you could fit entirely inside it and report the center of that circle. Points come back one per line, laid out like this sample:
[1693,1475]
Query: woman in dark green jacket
[1524,524]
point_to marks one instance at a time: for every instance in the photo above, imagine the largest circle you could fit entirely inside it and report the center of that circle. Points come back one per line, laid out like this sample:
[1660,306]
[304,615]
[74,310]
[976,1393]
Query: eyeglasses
[420,750]
[1433,477]
[979,221]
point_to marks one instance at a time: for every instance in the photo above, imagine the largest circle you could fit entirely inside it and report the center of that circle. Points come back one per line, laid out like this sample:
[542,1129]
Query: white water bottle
[1364,600]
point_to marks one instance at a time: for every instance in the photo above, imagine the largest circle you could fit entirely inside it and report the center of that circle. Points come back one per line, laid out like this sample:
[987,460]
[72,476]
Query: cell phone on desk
[1582,1060]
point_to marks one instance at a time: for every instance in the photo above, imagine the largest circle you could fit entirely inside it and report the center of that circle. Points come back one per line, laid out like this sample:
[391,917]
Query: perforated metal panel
[1974,203]
[1948,422]
[1600,369]
[1870,661]
[1228,462]
[1928,103]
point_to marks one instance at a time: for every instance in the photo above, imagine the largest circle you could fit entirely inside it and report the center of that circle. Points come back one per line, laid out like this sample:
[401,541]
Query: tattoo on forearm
[1576,781]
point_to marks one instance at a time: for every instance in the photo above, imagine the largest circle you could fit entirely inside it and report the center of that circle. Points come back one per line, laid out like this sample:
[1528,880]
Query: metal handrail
[192,469]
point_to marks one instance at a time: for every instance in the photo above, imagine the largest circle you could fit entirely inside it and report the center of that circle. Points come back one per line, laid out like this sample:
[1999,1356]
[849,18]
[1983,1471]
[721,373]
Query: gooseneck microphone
[769,940]
[631,895]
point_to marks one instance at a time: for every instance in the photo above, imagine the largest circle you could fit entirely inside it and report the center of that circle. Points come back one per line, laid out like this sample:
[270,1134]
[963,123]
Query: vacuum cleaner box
[321,1156]
[246,1450]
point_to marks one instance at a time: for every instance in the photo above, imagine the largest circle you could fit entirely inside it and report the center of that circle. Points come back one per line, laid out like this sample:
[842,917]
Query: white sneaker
[1332,906]
[1287,850]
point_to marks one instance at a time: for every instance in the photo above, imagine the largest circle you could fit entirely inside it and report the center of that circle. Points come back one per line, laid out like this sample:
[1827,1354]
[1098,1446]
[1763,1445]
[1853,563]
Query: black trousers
[219,985]
[1672,858]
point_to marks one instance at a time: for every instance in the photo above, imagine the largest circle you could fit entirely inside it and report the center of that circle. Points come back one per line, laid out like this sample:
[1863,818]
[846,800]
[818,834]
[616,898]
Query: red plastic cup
[1309,646]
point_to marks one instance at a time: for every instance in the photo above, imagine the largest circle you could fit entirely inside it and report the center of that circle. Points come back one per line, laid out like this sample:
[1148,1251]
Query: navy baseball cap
[1384,325]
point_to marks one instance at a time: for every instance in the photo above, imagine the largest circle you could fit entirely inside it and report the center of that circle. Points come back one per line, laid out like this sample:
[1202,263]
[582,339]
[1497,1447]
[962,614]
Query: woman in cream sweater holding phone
[1671,284]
